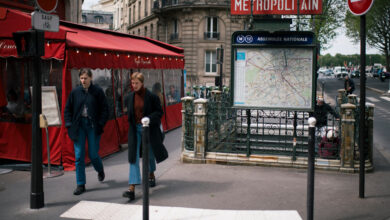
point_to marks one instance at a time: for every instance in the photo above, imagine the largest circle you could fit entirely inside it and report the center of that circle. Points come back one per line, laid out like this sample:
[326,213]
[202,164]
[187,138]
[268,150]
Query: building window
[99,19]
[175,30]
[146,31]
[156,4]
[139,10]
[212,28]
[151,30]
[211,62]
[129,15]
[134,14]
[146,8]
[139,32]
[84,18]
[175,2]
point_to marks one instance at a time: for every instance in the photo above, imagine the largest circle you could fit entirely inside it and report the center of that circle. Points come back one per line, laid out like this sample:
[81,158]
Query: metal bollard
[310,169]
[145,166]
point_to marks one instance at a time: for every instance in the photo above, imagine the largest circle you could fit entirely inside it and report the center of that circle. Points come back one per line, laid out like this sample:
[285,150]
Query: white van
[339,71]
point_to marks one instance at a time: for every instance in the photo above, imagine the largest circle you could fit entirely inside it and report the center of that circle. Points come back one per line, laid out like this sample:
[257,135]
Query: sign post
[360,8]
[40,22]
[220,62]
[280,63]
[286,7]
[43,20]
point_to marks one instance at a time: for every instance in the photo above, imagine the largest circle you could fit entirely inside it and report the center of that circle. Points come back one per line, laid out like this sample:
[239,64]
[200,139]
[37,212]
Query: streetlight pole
[310,169]
[362,109]
[145,167]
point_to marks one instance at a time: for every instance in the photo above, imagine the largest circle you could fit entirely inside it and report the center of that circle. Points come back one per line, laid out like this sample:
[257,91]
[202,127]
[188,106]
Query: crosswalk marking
[105,210]
[372,99]
[385,98]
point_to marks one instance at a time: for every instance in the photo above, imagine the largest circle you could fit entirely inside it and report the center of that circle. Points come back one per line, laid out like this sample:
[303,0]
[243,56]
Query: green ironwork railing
[251,131]
[189,126]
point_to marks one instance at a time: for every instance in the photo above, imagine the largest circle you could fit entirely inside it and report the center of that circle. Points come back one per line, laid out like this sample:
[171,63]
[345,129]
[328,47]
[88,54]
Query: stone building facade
[198,26]
[98,19]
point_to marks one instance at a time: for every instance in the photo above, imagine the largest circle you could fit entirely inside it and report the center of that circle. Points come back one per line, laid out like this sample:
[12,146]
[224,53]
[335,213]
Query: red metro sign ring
[47,6]
[359,7]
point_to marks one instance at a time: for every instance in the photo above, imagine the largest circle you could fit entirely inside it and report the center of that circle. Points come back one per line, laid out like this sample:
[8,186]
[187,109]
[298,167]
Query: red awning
[92,47]
[13,21]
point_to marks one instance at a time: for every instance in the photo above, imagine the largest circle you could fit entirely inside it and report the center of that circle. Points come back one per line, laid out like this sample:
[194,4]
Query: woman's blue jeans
[134,173]
[86,131]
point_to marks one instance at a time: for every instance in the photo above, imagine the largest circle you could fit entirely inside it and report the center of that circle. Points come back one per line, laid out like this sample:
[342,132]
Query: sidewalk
[198,189]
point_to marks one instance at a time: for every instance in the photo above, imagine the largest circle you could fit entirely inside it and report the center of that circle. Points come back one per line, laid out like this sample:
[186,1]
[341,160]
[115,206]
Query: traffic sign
[45,22]
[359,7]
[47,6]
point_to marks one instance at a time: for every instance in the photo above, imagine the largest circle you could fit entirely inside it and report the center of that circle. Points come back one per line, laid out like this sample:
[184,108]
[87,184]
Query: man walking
[86,113]
[349,85]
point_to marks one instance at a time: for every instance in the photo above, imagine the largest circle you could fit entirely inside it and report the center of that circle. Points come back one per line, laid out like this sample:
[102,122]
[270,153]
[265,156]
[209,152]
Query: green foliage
[324,26]
[339,59]
[327,23]
[377,27]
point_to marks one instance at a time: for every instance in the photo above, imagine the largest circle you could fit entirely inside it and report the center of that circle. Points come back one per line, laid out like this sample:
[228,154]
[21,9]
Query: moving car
[340,71]
[328,72]
[321,70]
[355,73]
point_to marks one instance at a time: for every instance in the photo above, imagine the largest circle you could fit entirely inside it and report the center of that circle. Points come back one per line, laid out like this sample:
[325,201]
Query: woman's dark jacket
[152,109]
[96,103]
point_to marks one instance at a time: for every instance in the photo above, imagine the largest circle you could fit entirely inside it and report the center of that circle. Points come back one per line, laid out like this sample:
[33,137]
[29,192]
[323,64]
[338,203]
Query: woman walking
[143,103]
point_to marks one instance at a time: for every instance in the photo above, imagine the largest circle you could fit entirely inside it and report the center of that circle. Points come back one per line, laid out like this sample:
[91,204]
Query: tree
[325,25]
[351,60]
[377,28]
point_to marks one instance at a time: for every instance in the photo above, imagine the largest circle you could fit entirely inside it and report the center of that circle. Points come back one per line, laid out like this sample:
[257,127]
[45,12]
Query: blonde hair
[139,76]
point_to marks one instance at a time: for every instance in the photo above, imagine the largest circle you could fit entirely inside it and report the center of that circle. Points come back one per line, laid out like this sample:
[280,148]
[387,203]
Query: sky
[88,3]
[341,44]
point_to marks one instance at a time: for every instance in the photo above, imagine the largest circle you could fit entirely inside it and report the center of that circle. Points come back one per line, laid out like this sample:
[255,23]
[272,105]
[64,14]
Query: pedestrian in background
[330,144]
[143,103]
[173,95]
[156,89]
[86,113]
[321,111]
[349,85]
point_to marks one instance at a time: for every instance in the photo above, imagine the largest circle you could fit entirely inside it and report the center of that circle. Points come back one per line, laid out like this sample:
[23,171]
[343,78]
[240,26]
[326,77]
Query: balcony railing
[174,36]
[211,35]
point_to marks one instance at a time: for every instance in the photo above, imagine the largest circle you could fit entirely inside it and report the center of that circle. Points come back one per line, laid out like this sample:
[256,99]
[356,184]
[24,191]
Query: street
[373,95]
[214,187]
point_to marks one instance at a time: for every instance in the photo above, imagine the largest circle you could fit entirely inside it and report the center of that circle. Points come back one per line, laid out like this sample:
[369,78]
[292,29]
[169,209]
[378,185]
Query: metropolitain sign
[276,7]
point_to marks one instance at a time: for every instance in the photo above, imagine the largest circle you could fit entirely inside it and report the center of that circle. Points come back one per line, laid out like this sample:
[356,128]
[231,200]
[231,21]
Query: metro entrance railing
[214,132]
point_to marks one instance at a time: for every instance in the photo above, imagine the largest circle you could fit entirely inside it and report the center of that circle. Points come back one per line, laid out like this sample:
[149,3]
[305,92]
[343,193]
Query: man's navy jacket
[97,106]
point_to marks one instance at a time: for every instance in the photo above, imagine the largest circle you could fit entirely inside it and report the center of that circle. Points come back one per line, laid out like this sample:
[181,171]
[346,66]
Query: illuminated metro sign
[276,7]
[275,38]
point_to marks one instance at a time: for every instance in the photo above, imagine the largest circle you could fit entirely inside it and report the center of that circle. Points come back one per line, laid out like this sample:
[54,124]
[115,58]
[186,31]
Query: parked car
[321,70]
[340,72]
[355,74]
[328,72]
